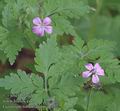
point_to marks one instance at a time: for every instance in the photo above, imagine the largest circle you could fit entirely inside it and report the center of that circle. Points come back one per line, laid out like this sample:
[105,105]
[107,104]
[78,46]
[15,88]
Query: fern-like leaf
[21,84]
[10,44]
[46,55]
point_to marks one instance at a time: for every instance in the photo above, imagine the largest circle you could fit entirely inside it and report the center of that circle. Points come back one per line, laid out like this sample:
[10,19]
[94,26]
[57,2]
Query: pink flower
[94,72]
[42,26]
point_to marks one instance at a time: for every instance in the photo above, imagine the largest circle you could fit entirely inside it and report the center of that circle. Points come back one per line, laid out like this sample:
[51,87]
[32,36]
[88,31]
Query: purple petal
[99,70]
[86,74]
[89,66]
[97,66]
[38,30]
[47,21]
[37,21]
[48,29]
[95,79]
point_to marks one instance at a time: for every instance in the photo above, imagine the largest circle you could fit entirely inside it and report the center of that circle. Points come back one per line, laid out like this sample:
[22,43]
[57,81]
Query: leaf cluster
[61,82]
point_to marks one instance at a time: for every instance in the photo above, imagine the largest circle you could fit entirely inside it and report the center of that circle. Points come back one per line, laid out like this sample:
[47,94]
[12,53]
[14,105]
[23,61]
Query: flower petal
[48,29]
[99,70]
[86,74]
[89,66]
[97,65]
[37,21]
[95,79]
[38,30]
[47,21]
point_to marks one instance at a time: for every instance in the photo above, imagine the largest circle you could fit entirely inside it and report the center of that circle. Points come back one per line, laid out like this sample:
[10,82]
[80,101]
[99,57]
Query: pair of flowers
[44,26]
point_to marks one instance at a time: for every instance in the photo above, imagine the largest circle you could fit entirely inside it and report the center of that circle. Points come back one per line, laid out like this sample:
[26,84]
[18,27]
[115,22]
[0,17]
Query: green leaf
[68,85]
[69,8]
[63,67]
[2,57]
[2,4]
[21,84]
[111,67]
[108,101]
[60,29]
[60,12]
[16,19]
[10,44]
[65,87]
[97,48]
[5,103]
[110,31]
[70,103]
[78,42]
[16,13]
[36,98]
[46,55]
[99,51]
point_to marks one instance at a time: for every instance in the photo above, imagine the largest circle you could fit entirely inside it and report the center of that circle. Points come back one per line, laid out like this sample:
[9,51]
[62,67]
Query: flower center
[42,25]
[93,71]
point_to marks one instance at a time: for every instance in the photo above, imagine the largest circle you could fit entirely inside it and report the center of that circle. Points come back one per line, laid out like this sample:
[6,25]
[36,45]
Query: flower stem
[45,83]
[88,100]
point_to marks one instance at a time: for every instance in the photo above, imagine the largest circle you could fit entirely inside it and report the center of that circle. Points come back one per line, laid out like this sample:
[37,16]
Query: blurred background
[103,22]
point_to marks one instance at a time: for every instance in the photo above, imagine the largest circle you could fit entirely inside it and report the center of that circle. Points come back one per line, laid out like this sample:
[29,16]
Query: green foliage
[59,85]
[17,21]
[113,4]
[100,51]
[36,98]
[2,57]
[105,25]
[97,48]
[60,29]
[91,100]
[23,86]
[2,4]
[5,103]
[10,44]
[60,13]
[13,34]
[63,77]
[73,9]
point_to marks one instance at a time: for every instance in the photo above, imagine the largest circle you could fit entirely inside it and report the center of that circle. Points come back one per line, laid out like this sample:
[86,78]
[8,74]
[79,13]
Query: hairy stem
[46,85]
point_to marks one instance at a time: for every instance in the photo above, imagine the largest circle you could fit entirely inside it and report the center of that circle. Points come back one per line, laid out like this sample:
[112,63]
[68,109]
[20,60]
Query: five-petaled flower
[42,26]
[94,72]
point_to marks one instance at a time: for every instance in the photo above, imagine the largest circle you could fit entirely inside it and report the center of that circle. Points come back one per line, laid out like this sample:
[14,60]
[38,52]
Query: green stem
[88,100]
[46,85]
[46,88]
